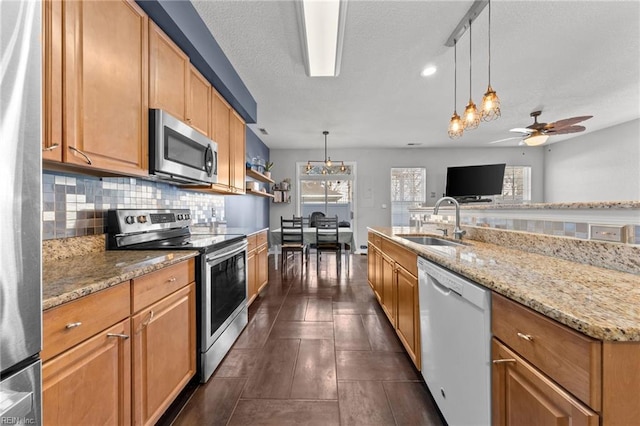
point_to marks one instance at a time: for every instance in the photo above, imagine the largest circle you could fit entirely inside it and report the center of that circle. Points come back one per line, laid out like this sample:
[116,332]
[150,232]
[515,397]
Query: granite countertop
[586,205]
[64,280]
[599,302]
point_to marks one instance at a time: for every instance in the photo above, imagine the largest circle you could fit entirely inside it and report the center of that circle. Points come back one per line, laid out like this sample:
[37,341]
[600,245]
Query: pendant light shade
[471,118]
[490,101]
[456,127]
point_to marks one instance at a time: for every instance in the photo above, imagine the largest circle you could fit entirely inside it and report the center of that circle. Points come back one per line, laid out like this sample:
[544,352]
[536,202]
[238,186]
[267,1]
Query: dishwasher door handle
[441,288]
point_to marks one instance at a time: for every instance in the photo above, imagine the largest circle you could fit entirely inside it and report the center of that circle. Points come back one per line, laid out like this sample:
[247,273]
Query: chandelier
[328,166]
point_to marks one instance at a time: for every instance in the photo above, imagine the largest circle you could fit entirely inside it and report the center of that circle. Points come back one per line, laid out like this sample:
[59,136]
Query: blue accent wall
[249,210]
[180,21]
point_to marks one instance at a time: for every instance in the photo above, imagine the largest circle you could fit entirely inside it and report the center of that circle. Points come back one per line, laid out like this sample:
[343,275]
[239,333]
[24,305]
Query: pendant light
[471,117]
[327,164]
[490,101]
[456,127]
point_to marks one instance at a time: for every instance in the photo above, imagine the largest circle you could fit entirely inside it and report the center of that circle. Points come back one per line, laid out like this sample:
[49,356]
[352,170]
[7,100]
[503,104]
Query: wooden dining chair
[327,240]
[292,240]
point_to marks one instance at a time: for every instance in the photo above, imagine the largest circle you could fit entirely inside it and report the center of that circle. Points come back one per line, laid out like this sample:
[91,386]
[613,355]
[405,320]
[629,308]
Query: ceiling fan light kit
[536,139]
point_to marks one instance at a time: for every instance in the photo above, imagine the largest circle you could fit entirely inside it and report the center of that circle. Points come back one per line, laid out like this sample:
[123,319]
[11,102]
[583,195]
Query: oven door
[225,290]
[180,153]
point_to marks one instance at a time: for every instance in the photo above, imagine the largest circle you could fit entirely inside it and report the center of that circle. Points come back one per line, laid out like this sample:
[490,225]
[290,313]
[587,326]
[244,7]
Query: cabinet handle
[503,361]
[51,148]
[526,337]
[148,320]
[73,325]
[121,336]
[86,157]
[171,280]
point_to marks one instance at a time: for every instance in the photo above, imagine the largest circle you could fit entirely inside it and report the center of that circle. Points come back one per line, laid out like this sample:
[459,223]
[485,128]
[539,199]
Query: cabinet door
[252,268]
[106,86]
[169,72]
[408,313]
[371,267]
[238,155]
[91,382]
[220,134]
[388,288]
[52,84]
[263,267]
[378,275]
[522,395]
[164,353]
[199,102]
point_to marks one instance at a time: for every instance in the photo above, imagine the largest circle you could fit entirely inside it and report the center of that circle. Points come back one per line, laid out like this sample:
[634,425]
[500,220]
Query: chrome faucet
[457,232]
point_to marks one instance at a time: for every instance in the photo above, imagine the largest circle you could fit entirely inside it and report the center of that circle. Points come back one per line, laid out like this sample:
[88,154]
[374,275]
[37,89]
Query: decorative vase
[267,174]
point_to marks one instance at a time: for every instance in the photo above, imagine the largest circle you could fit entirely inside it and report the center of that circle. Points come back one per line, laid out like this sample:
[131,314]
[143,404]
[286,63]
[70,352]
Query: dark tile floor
[317,351]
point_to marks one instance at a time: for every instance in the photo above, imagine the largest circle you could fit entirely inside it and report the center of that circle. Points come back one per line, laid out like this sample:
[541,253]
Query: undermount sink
[430,241]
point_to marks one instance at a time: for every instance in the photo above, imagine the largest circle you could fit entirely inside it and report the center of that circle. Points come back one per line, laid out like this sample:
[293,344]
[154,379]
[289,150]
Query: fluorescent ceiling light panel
[323,29]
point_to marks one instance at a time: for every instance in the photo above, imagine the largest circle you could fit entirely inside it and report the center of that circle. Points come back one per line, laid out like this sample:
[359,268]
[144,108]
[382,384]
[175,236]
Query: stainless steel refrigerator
[20,212]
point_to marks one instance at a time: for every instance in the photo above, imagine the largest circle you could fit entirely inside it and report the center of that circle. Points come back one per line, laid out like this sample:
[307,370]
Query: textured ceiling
[568,58]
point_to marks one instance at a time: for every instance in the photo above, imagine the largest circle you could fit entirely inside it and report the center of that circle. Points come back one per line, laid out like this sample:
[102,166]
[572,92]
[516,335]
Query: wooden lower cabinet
[90,384]
[257,264]
[392,276]
[164,353]
[408,313]
[522,395]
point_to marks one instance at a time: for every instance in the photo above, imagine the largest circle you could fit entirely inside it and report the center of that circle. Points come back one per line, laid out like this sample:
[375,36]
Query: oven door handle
[230,253]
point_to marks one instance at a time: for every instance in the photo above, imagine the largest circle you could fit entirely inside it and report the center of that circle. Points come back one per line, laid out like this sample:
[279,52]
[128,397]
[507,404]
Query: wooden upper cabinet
[52,81]
[106,86]
[169,74]
[221,112]
[199,102]
[237,137]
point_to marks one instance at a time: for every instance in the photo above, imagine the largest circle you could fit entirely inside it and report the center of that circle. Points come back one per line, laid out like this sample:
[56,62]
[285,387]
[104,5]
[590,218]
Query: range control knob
[142,219]
[187,216]
[179,217]
[130,219]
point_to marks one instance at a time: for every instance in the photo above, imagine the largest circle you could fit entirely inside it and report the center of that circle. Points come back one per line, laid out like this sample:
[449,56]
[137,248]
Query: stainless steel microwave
[179,153]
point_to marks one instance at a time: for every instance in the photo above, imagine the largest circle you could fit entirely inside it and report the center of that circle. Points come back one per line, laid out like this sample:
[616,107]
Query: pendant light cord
[470,39]
[455,72]
[489,42]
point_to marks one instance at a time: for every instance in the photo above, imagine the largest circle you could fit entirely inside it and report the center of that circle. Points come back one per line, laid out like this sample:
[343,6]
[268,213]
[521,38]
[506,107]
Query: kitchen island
[566,336]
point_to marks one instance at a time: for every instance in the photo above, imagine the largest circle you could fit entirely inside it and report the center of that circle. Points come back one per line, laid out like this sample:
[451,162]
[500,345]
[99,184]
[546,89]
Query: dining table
[345,237]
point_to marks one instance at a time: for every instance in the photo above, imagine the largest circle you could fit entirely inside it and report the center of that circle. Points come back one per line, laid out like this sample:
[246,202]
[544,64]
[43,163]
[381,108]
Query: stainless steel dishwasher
[455,327]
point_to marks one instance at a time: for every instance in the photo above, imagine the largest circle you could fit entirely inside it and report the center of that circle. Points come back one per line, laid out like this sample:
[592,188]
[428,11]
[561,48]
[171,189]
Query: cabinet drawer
[152,287]
[571,359]
[404,257]
[375,239]
[262,238]
[253,242]
[69,324]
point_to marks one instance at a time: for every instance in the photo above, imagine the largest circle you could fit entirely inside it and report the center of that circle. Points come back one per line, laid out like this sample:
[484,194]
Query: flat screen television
[471,183]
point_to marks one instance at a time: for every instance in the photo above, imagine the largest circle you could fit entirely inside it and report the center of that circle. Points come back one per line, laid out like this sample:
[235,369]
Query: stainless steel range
[221,272]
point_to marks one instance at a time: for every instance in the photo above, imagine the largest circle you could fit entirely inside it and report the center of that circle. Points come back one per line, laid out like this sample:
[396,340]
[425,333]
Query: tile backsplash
[76,205]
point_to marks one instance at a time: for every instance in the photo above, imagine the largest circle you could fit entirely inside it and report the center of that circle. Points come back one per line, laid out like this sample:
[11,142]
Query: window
[408,189]
[329,190]
[516,187]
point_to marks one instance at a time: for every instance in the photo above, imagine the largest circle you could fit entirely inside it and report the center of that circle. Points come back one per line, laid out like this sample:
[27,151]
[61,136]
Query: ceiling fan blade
[505,140]
[565,130]
[522,130]
[568,122]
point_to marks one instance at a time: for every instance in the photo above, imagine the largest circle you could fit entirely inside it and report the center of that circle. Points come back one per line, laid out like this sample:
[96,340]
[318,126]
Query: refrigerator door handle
[15,405]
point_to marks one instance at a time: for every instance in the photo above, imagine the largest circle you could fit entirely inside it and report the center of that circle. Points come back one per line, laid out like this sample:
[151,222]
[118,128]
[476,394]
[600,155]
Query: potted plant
[267,169]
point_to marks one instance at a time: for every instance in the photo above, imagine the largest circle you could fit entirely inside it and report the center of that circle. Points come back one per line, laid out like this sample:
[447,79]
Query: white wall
[599,166]
[374,171]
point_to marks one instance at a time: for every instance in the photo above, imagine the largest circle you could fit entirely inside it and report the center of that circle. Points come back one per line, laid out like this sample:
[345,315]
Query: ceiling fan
[538,133]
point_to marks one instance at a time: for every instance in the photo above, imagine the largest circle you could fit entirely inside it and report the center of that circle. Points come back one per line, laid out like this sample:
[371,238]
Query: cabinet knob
[503,361]
[73,325]
[526,337]
[171,280]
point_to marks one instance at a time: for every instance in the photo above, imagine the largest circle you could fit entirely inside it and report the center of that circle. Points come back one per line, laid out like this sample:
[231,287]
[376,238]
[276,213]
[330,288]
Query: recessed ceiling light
[429,70]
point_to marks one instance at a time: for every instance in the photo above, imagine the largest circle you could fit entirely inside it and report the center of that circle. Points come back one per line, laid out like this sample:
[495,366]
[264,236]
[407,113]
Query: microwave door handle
[208,160]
